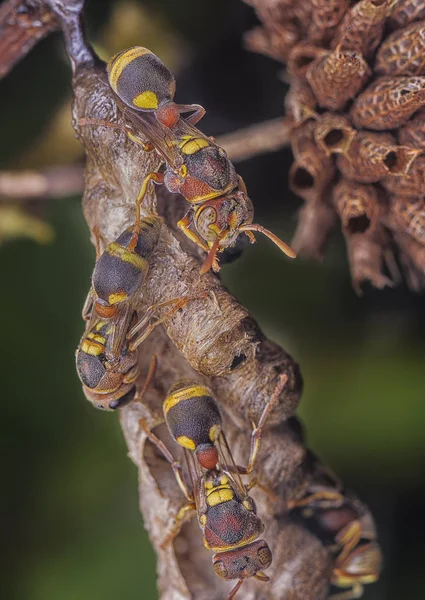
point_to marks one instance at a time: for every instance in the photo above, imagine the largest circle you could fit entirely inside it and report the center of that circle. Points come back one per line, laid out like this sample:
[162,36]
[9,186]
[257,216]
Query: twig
[65,180]
[55,182]
[213,339]
[261,138]
[22,24]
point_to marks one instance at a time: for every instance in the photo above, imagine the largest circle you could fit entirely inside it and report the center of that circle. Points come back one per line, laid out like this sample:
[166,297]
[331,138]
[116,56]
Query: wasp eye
[220,569]
[264,555]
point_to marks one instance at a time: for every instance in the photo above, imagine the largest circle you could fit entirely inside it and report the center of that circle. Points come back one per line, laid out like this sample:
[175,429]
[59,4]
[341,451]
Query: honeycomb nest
[356,110]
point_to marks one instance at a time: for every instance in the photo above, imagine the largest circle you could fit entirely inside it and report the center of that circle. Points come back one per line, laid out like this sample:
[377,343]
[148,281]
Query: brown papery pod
[333,133]
[407,215]
[276,44]
[276,13]
[407,11]
[300,103]
[326,16]
[362,27]
[337,77]
[368,254]
[301,57]
[403,52]
[373,156]
[389,102]
[412,184]
[316,220]
[358,206]
[311,170]
[412,257]
[413,133]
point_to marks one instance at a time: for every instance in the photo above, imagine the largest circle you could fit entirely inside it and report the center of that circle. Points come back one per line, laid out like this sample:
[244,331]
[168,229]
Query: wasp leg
[180,518]
[355,592]
[175,465]
[157,178]
[349,537]
[88,306]
[258,430]
[197,111]
[184,224]
[327,498]
[149,327]
[151,372]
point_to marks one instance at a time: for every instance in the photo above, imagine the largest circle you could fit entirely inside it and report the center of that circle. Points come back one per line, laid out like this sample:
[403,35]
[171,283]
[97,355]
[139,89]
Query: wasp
[196,167]
[117,282]
[344,524]
[106,357]
[226,513]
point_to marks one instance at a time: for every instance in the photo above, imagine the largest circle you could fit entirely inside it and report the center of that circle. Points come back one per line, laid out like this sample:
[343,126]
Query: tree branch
[22,24]
[213,339]
[66,180]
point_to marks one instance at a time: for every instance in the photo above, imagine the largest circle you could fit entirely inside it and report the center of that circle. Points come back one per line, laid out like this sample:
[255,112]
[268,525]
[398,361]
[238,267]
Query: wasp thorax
[243,562]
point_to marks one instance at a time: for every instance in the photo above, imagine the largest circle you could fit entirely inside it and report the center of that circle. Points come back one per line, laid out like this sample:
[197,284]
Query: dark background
[70,525]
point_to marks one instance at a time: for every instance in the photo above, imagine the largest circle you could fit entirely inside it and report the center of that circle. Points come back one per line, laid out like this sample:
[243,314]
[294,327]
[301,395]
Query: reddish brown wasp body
[196,167]
[346,526]
[226,513]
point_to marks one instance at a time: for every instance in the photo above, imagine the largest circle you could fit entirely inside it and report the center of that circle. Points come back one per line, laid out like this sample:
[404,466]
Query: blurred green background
[70,523]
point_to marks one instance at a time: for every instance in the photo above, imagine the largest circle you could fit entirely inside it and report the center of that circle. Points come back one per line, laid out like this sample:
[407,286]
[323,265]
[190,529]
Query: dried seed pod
[276,44]
[412,184]
[369,254]
[412,257]
[358,206]
[333,133]
[362,27]
[403,52]
[337,77]
[413,133]
[316,221]
[300,102]
[326,16]
[407,11]
[301,57]
[389,102]
[407,215]
[311,170]
[373,156]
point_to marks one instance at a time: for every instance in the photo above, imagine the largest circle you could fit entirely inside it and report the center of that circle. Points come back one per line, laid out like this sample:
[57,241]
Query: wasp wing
[196,480]
[228,464]
[161,137]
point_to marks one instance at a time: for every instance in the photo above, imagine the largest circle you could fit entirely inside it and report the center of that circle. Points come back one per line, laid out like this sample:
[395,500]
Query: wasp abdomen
[140,79]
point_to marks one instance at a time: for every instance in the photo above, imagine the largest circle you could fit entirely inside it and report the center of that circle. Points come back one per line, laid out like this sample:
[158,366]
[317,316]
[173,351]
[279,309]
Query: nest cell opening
[303,179]
[333,138]
[358,224]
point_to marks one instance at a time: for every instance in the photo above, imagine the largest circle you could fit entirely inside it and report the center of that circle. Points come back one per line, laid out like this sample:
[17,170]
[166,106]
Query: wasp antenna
[235,589]
[209,261]
[279,243]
